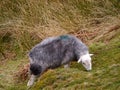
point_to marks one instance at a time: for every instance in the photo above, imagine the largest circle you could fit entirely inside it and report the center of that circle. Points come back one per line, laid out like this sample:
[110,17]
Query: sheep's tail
[35,69]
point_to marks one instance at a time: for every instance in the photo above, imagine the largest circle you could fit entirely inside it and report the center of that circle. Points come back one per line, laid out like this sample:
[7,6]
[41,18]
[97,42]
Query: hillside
[104,76]
[24,23]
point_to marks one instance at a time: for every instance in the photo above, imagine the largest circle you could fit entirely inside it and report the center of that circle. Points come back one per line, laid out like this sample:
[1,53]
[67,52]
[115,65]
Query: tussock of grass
[74,79]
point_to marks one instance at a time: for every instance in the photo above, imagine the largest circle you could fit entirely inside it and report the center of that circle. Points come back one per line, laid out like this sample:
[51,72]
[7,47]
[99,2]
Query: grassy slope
[105,73]
[23,23]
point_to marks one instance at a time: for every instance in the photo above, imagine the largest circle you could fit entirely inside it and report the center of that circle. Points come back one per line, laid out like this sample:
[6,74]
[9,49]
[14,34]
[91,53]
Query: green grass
[104,75]
[23,23]
[7,74]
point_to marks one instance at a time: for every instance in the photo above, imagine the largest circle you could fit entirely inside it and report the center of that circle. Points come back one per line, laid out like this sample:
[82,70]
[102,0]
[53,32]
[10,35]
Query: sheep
[56,51]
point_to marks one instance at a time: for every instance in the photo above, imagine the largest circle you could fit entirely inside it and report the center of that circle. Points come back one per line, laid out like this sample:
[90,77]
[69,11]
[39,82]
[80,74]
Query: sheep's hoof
[30,83]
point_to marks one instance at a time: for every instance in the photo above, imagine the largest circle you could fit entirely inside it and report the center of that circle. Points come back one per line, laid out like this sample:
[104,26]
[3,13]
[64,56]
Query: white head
[86,61]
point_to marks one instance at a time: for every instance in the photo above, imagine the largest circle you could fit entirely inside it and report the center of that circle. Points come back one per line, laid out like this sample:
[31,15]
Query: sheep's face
[86,61]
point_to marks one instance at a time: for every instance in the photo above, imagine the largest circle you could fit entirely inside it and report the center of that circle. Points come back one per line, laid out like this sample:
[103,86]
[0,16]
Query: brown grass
[24,23]
[22,74]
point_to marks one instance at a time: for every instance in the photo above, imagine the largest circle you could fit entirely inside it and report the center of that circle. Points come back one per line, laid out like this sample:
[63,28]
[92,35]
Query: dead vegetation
[24,23]
[22,73]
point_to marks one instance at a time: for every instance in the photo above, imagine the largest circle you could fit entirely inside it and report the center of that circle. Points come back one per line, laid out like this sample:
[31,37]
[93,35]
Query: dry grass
[22,74]
[23,23]
[30,21]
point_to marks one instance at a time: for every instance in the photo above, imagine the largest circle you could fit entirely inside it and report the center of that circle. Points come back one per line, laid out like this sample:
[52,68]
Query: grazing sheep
[56,51]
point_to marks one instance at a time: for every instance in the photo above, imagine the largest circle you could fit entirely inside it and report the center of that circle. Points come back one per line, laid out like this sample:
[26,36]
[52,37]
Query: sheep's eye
[83,63]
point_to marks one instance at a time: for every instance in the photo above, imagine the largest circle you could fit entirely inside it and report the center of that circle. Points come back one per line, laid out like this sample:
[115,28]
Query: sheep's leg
[66,60]
[31,80]
[66,66]
[33,77]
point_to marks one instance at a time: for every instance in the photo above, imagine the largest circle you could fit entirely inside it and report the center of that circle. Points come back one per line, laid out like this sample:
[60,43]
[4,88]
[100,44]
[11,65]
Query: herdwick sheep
[56,51]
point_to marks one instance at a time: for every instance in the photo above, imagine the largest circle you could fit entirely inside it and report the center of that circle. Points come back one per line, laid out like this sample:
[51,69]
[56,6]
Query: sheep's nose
[89,69]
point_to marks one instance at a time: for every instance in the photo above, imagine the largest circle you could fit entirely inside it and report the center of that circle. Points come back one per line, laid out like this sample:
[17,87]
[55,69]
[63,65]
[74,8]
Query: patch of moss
[46,79]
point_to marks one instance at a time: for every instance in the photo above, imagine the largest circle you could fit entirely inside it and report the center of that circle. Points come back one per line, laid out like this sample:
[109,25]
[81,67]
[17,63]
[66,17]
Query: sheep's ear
[91,54]
[79,60]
